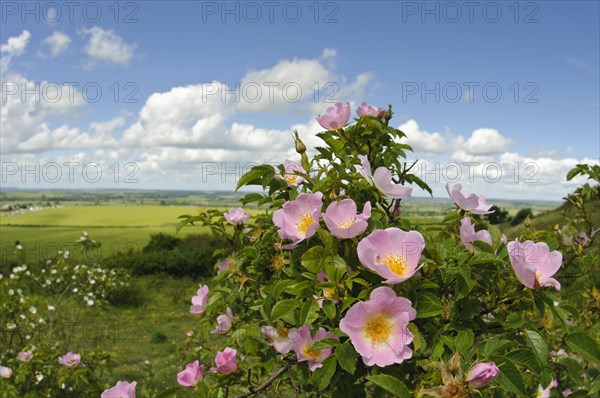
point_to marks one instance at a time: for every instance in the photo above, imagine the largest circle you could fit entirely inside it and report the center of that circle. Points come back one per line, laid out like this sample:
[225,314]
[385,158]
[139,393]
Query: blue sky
[543,56]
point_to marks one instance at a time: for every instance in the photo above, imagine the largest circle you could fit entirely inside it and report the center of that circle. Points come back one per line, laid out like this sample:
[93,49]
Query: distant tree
[498,216]
[161,241]
[521,216]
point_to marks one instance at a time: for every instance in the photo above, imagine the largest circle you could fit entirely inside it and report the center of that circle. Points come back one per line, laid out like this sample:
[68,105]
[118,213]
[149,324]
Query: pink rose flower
[122,389]
[378,327]
[468,234]
[382,180]
[5,372]
[223,323]
[335,117]
[392,253]
[191,375]
[473,203]
[304,341]
[290,176]
[343,222]
[368,110]
[225,265]
[567,392]
[200,300]
[299,219]
[482,374]
[281,338]
[504,239]
[25,356]
[70,360]
[236,216]
[534,263]
[226,361]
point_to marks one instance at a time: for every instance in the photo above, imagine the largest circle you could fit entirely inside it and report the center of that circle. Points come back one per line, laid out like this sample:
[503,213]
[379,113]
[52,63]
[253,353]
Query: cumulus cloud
[429,143]
[13,47]
[107,46]
[57,43]
[485,141]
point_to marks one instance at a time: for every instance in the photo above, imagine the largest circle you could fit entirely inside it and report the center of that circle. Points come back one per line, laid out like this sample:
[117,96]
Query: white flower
[51,308]
[75,290]
[19,247]
[90,302]
[93,282]
[39,377]
[11,292]
[5,372]
[11,326]
[33,310]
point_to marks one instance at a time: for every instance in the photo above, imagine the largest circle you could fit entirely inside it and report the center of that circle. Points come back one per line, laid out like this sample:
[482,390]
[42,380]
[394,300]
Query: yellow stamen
[282,331]
[347,224]
[328,292]
[310,354]
[291,178]
[396,264]
[306,221]
[378,329]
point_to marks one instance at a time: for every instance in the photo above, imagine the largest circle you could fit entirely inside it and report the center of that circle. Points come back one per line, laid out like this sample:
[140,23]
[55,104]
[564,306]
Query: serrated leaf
[257,175]
[509,377]
[428,305]
[314,259]
[538,345]
[309,313]
[584,345]
[322,376]
[329,308]
[390,384]
[525,358]
[283,308]
[346,357]
[324,343]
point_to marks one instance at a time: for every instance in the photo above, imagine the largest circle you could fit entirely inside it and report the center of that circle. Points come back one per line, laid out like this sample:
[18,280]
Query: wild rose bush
[39,313]
[332,292]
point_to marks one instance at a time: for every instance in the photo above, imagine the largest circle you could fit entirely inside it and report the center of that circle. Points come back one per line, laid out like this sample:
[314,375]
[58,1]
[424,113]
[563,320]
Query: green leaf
[309,313]
[257,175]
[390,384]
[324,343]
[322,376]
[428,305]
[509,377]
[335,267]
[573,367]
[525,358]
[283,308]
[584,345]
[314,259]
[464,340]
[539,346]
[346,357]
[329,308]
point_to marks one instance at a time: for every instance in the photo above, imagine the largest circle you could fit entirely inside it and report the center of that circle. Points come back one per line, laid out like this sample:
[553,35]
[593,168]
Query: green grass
[118,228]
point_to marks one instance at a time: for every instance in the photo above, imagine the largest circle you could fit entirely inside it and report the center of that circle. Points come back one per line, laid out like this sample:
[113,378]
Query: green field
[118,228]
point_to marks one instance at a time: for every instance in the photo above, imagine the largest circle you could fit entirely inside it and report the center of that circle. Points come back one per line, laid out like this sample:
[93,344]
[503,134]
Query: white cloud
[14,46]
[429,143]
[485,141]
[58,42]
[107,46]
[278,88]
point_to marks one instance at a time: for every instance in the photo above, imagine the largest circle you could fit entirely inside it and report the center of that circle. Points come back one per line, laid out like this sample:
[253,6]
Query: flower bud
[482,374]
[300,147]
